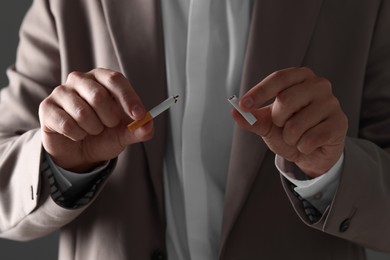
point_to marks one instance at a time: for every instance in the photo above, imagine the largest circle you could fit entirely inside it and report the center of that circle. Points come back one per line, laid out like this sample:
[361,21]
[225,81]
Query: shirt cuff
[73,190]
[319,191]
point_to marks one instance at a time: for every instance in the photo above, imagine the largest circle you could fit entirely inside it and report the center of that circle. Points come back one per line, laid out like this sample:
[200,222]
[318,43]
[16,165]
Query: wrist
[316,168]
[76,167]
[85,167]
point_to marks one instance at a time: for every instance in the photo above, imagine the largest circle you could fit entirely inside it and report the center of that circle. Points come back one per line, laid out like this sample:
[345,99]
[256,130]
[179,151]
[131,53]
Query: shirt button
[158,255]
[344,225]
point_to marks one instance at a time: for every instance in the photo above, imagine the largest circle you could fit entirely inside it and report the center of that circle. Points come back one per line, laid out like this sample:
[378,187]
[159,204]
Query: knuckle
[81,113]
[59,90]
[66,126]
[44,107]
[96,70]
[74,76]
[279,74]
[284,99]
[307,70]
[325,83]
[281,77]
[275,74]
[334,105]
[45,104]
[98,96]
[114,78]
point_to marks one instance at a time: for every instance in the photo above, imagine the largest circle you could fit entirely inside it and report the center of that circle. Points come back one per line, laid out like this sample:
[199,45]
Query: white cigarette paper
[153,113]
[166,104]
[251,119]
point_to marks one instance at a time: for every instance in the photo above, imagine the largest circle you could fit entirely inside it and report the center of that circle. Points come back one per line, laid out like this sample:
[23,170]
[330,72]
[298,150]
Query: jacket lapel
[136,31]
[279,36]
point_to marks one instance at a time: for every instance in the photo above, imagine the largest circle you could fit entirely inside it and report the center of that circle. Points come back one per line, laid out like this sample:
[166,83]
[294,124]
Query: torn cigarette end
[249,117]
[135,124]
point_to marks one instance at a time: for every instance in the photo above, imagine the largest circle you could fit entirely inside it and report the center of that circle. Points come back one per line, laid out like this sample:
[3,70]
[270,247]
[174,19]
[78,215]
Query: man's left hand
[304,123]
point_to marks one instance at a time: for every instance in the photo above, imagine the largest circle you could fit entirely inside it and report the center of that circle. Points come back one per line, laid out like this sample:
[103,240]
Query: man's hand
[304,124]
[84,122]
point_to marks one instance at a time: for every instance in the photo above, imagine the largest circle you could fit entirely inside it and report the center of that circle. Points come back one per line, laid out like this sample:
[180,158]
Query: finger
[293,99]
[289,102]
[67,99]
[272,85]
[100,99]
[55,120]
[305,119]
[320,136]
[122,90]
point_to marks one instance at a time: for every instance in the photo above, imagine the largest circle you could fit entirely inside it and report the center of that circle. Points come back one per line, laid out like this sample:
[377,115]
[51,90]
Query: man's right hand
[84,121]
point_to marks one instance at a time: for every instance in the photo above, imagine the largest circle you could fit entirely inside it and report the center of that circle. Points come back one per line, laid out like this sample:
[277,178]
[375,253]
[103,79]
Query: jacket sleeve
[27,210]
[360,210]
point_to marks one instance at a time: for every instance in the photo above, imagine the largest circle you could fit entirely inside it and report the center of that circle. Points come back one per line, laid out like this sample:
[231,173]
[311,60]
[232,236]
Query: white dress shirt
[205,44]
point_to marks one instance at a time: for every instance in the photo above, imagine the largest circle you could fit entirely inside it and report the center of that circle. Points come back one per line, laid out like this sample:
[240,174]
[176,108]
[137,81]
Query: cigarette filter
[153,113]
[251,119]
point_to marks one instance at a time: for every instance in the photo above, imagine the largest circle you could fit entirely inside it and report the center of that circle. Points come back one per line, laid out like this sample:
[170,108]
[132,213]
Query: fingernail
[248,102]
[137,112]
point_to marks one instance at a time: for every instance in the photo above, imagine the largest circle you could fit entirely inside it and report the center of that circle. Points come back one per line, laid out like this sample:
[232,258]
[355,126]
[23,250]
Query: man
[163,194]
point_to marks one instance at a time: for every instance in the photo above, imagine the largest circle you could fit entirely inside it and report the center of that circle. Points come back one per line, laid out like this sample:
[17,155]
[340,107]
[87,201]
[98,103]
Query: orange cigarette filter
[135,124]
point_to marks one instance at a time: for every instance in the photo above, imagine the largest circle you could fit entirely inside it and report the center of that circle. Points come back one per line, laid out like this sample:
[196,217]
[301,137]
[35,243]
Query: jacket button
[318,196]
[158,255]
[344,225]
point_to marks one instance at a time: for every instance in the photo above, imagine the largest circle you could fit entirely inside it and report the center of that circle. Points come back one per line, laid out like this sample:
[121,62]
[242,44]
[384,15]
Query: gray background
[11,15]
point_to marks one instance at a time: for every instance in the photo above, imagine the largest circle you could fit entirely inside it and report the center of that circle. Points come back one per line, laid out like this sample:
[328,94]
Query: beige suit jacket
[347,42]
